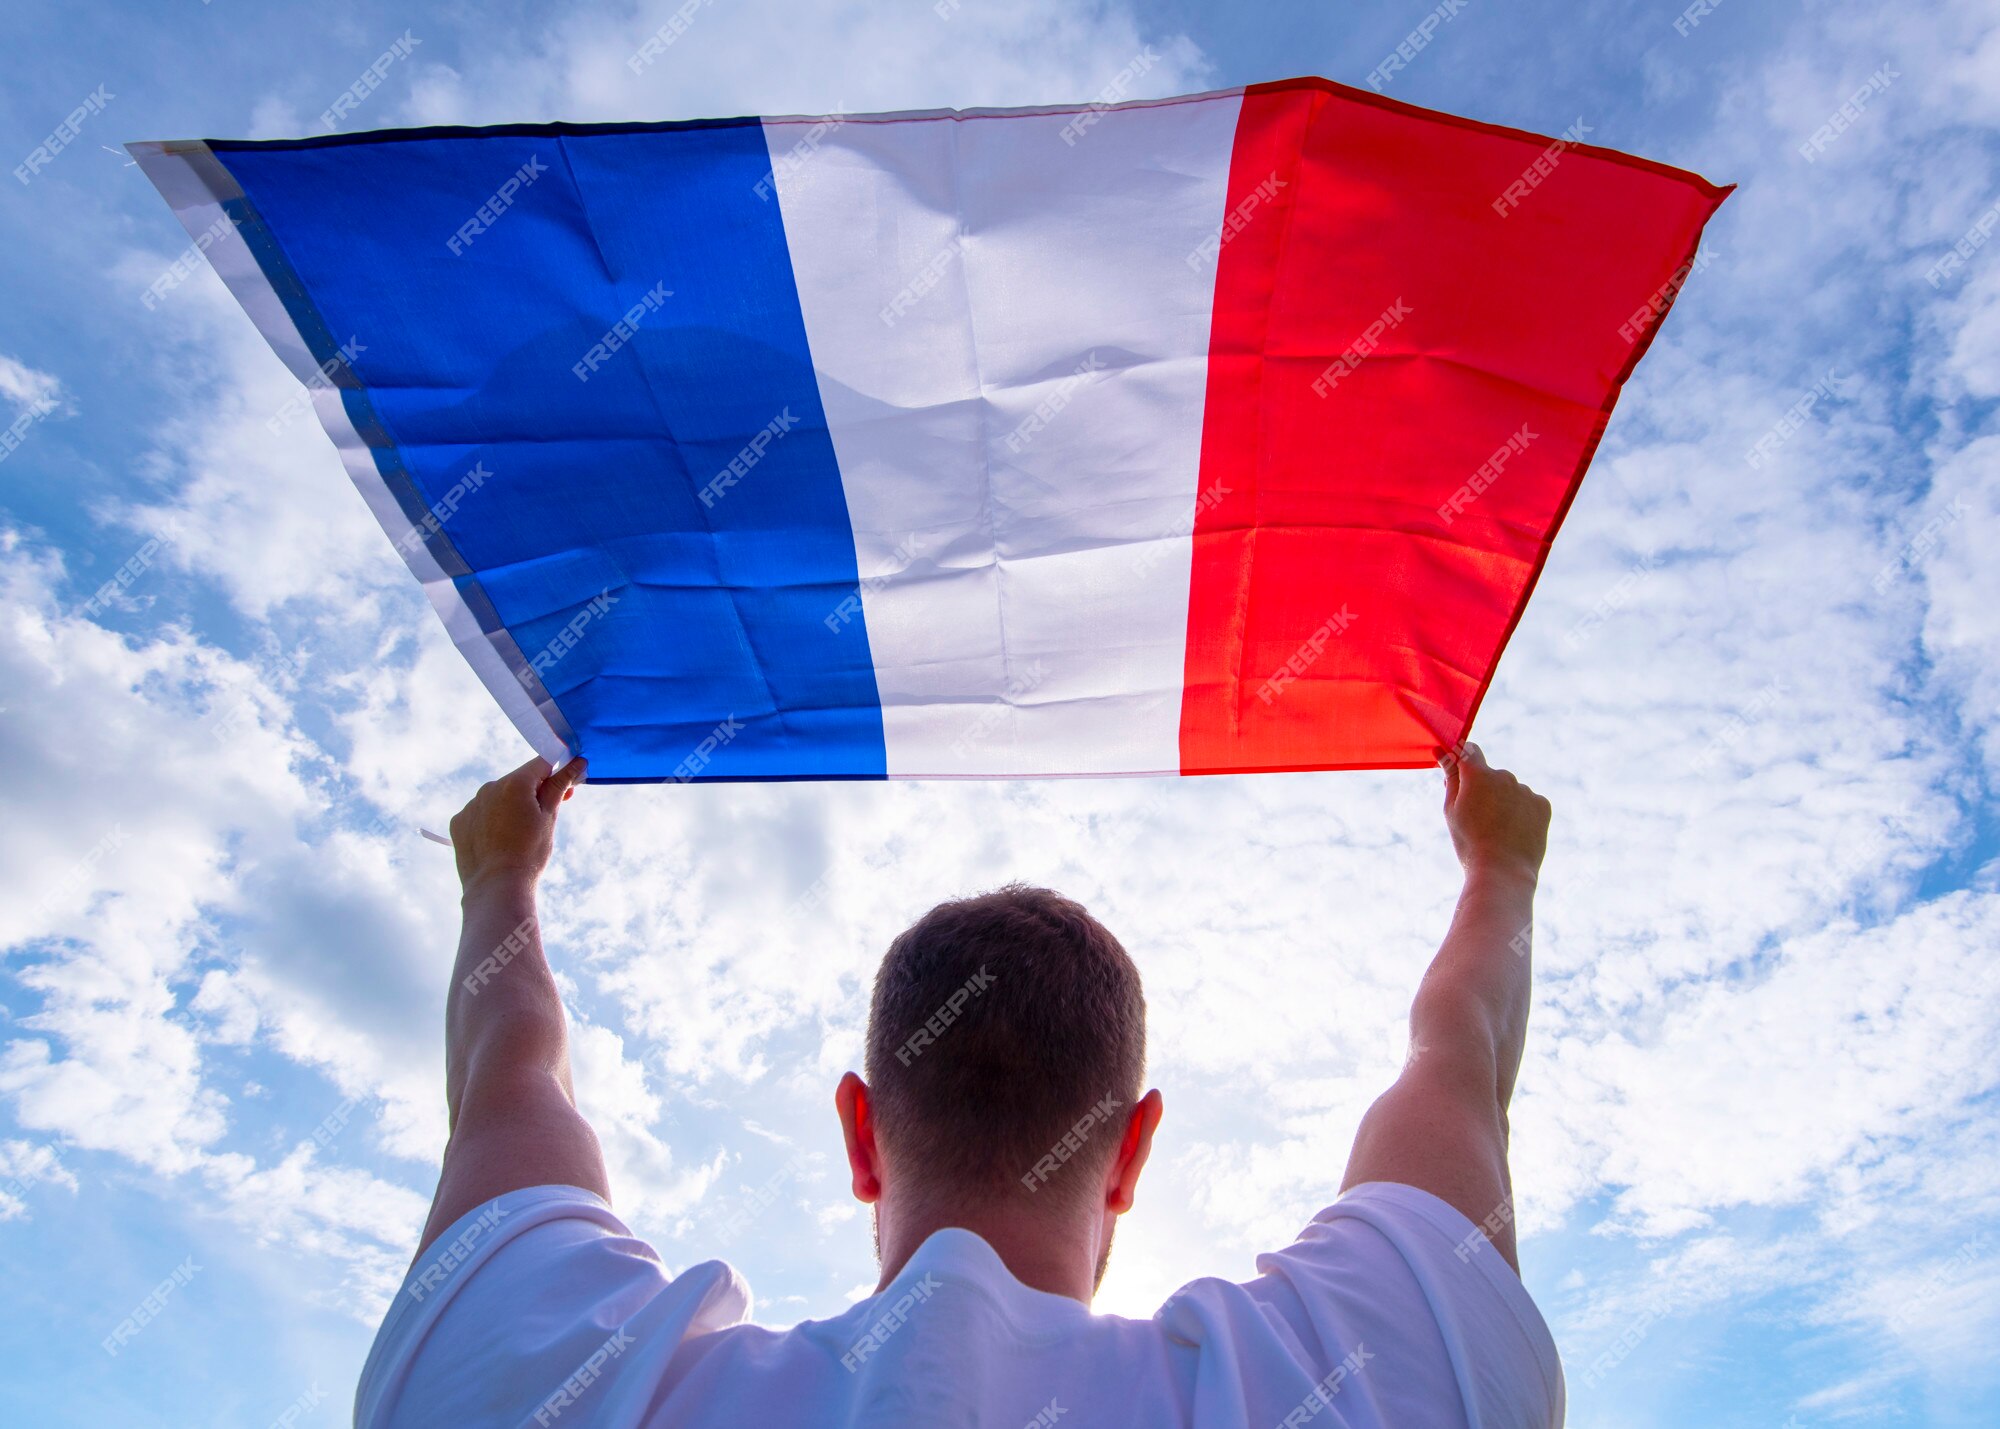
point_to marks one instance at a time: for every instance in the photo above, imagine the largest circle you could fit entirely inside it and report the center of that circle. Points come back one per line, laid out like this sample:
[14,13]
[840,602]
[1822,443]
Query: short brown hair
[999,1023]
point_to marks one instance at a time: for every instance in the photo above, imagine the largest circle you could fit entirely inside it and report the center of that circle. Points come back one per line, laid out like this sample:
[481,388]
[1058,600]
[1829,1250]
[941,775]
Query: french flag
[1205,435]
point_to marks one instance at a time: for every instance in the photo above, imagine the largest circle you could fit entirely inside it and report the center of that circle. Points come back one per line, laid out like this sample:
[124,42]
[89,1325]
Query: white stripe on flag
[1021,515]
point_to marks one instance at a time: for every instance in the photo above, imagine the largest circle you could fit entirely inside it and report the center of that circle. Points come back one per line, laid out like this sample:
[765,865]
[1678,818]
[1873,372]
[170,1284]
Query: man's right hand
[1497,823]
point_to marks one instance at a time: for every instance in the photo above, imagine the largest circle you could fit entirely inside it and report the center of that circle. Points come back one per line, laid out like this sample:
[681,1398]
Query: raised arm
[1443,1126]
[514,1121]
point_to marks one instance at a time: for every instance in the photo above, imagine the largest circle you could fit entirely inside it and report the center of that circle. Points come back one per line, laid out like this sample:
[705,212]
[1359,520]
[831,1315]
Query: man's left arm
[1443,1126]
[513,1115]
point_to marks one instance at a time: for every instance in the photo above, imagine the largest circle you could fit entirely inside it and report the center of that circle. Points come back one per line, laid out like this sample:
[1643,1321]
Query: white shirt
[1390,1311]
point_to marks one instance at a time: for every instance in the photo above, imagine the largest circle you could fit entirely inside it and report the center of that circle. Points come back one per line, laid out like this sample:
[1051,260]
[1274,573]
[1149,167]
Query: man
[1000,1134]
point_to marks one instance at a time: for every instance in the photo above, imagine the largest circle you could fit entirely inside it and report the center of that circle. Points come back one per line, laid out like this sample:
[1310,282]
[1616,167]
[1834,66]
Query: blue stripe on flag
[602,391]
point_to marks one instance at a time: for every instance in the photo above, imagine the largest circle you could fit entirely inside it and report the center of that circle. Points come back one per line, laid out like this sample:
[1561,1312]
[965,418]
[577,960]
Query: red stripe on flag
[1421,325]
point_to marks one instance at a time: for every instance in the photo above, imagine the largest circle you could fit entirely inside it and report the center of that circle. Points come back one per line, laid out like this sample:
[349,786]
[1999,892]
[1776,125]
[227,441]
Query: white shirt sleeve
[536,1300]
[1394,1298]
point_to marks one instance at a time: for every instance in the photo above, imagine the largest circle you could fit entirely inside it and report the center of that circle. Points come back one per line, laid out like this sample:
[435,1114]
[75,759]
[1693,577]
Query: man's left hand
[507,831]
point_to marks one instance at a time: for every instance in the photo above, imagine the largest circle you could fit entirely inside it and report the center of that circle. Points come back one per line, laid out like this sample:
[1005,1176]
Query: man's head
[1006,1046]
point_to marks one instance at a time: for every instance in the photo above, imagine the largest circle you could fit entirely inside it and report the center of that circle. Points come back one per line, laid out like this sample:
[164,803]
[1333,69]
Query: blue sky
[1756,1153]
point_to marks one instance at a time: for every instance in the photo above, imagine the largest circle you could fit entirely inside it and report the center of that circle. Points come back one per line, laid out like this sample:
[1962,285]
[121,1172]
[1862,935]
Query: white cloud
[122,818]
[275,117]
[1948,551]
[847,56]
[616,1095]
[23,1166]
[332,1213]
[255,498]
[145,815]
[28,388]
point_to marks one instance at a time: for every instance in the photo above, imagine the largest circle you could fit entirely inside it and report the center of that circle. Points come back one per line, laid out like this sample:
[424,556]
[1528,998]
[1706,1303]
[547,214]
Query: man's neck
[1055,1255]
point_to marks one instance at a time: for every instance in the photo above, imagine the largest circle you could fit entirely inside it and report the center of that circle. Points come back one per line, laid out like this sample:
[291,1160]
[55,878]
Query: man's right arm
[1443,1126]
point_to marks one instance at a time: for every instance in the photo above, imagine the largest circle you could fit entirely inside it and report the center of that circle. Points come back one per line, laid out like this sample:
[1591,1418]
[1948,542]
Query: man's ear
[1122,1184]
[857,1128]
